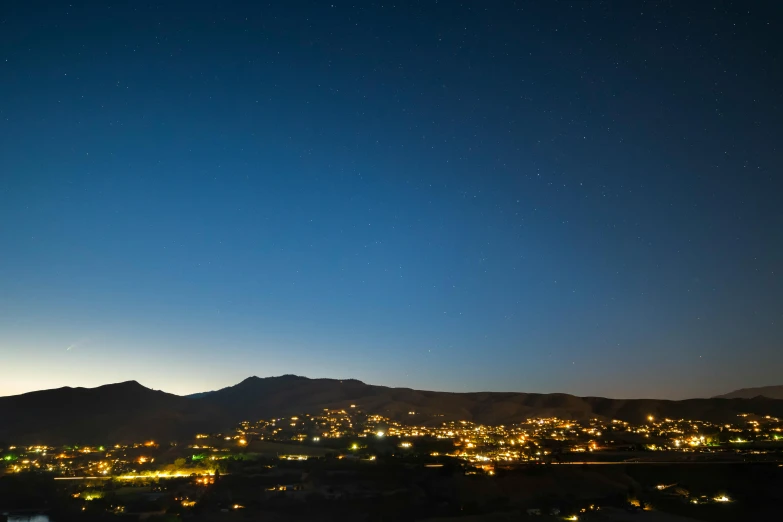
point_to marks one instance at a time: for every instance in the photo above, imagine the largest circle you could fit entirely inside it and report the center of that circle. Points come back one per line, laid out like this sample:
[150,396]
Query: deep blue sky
[581,197]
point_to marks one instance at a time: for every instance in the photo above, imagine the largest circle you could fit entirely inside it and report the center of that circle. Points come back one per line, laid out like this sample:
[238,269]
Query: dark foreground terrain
[326,489]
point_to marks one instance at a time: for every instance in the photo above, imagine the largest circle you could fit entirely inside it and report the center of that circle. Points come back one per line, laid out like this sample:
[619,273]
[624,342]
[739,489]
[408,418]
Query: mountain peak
[128,411]
[286,377]
[129,384]
[290,378]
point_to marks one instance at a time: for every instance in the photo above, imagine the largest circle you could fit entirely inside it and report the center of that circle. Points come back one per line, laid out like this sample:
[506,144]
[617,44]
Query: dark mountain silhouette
[122,412]
[130,412]
[771,392]
[286,395]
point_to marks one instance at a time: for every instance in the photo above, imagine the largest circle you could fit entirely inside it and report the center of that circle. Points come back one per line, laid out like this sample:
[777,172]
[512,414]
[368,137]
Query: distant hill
[286,395]
[771,392]
[123,412]
[130,412]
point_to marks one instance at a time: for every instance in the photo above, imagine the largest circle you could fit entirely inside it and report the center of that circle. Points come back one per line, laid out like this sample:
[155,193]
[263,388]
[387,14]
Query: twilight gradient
[546,196]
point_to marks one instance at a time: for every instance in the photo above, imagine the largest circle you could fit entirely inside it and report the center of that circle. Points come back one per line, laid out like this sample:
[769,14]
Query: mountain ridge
[131,412]
[771,392]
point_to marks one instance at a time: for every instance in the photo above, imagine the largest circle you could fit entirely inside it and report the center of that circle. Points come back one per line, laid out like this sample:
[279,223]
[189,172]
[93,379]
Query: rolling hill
[122,412]
[771,392]
[130,412]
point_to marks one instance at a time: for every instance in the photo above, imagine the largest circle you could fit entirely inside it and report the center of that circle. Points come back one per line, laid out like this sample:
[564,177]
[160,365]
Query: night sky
[581,197]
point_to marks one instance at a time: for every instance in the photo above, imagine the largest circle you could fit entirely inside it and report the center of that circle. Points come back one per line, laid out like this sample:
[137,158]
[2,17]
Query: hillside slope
[287,395]
[122,412]
[771,392]
[130,412]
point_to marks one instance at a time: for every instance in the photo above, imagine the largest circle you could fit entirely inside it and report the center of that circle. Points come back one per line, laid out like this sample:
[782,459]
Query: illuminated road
[139,477]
